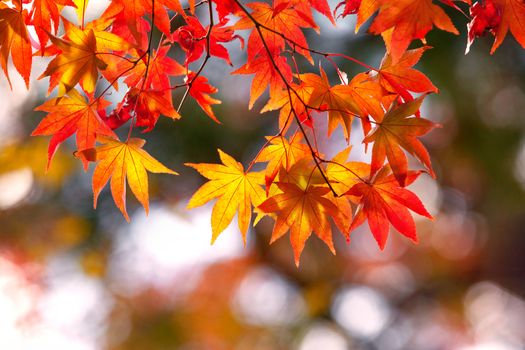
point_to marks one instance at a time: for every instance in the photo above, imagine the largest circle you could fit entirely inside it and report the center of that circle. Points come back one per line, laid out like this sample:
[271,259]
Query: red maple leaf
[383,201]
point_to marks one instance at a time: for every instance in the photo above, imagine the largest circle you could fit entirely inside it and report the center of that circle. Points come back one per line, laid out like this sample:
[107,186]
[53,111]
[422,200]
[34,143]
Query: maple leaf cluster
[302,190]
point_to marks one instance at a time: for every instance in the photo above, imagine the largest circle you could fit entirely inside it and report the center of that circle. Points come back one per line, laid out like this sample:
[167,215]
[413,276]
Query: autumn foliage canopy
[304,191]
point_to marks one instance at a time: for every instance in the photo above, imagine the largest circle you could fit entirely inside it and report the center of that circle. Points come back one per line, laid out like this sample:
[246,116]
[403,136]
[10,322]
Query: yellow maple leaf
[77,63]
[120,161]
[235,189]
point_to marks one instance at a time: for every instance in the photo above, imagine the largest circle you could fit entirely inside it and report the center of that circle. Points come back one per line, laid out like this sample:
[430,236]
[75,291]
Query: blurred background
[75,278]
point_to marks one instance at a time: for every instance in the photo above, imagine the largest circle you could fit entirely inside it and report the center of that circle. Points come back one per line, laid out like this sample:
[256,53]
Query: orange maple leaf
[77,63]
[301,211]
[337,99]
[401,21]
[382,201]
[120,161]
[398,129]
[236,190]
[72,114]
[14,39]
[400,77]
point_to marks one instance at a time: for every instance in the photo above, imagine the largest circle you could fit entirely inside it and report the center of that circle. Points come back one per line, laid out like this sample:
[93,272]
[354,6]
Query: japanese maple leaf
[513,19]
[280,18]
[72,114]
[402,21]
[191,38]
[281,153]
[401,78]
[383,201]
[120,161]
[399,130]
[337,99]
[301,211]
[200,90]
[14,40]
[266,75]
[46,17]
[304,173]
[76,63]
[236,190]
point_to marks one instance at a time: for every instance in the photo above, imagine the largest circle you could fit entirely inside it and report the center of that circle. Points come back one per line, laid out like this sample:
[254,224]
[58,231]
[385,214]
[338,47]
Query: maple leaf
[401,78]
[120,161]
[301,211]
[76,63]
[398,130]
[401,21]
[513,19]
[281,152]
[72,114]
[236,190]
[14,40]
[382,201]
[337,99]
[200,90]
